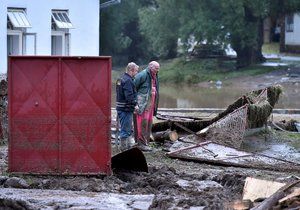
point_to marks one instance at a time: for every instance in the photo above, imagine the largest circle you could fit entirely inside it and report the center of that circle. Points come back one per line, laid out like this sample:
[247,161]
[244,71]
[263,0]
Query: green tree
[235,22]
[159,24]
[119,32]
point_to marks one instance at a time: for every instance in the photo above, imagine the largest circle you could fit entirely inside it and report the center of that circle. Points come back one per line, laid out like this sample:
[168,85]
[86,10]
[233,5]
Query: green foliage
[119,34]
[235,22]
[140,30]
[159,24]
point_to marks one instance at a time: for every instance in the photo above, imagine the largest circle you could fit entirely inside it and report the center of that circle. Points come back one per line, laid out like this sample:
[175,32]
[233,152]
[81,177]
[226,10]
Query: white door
[14,43]
[60,43]
[29,43]
[57,43]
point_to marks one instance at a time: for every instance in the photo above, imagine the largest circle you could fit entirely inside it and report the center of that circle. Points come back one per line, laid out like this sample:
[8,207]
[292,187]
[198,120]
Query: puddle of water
[185,96]
[283,151]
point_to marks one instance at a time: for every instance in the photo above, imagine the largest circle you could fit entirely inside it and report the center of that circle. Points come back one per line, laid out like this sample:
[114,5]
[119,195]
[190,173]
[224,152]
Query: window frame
[61,19]
[20,30]
[24,44]
[18,17]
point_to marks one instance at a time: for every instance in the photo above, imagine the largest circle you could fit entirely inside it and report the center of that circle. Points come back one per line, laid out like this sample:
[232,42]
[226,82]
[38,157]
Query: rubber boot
[123,144]
[144,147]
[130,142]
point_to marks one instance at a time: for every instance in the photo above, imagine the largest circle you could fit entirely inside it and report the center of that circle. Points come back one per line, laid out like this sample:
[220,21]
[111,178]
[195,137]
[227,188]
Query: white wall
[84,15]
[293,38]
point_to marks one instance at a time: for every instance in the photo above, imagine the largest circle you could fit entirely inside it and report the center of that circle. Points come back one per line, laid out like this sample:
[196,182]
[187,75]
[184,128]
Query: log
[165,135]
[170,124]
[187,118]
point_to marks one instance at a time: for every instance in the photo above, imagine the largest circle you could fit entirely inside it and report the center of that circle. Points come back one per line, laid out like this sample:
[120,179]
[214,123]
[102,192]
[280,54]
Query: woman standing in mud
[147,86]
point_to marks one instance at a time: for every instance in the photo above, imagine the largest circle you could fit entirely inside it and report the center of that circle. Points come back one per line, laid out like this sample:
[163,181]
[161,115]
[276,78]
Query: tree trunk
[172,51]
[251,54]
[247,56]
[282,33]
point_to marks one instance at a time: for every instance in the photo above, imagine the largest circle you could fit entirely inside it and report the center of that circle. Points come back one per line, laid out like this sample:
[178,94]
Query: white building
[48,27]
[292,33]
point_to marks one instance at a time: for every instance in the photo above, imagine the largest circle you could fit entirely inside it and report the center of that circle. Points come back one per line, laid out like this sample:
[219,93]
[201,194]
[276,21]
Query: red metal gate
[59,115]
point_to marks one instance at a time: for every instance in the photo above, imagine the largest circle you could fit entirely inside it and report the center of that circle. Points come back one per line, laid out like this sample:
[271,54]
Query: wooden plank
[258,188]
[273,199]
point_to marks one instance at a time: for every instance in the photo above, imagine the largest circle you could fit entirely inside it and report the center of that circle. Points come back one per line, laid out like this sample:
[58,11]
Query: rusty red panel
[59,115]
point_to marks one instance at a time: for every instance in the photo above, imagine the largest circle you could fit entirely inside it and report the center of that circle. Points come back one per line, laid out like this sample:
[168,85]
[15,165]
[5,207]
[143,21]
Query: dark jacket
[126,94]
[143,84]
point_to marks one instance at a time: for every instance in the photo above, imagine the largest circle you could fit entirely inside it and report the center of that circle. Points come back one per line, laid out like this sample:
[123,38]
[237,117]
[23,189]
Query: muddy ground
[175,184]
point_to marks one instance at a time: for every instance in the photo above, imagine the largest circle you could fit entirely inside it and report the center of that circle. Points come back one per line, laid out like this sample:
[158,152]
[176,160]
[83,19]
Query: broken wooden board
[221,155]
[270,202]
[296,192]
[239,205]
[258,188]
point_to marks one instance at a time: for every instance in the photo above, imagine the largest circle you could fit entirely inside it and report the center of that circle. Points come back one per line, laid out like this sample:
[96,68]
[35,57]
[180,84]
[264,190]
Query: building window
[290,23]
[19,42]
[61,37]
[18,18]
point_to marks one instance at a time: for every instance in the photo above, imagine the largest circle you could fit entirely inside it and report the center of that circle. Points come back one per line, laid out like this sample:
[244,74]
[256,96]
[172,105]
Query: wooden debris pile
[290,125]
[258,104]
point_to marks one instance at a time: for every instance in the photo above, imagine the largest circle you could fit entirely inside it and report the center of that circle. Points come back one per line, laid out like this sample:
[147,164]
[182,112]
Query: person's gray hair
[153,64]
[131,66]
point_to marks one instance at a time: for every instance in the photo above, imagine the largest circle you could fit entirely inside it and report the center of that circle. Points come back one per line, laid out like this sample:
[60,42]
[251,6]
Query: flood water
[185,96]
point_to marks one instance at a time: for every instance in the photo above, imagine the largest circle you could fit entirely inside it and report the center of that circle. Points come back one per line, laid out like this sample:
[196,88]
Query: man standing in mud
[126,103]
[146,83]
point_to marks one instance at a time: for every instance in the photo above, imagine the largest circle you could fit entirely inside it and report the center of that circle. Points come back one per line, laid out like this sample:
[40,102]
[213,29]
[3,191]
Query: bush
[208,51]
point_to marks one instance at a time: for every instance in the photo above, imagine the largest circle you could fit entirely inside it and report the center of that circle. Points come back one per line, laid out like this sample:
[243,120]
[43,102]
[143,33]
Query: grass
[271,48]
[180,70]
[194,71]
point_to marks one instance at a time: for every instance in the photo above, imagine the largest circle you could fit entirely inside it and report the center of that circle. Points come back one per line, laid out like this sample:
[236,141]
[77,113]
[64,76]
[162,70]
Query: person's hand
[136,109]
